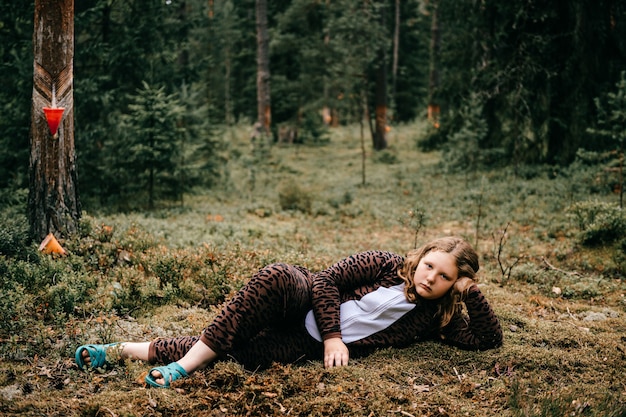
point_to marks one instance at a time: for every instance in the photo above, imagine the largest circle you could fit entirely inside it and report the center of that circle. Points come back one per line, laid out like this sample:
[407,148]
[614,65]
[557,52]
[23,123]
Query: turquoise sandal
[97,354]
[170,373]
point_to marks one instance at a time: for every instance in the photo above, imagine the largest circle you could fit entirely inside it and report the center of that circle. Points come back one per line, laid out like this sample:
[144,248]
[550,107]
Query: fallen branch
[549,265]
[457,374]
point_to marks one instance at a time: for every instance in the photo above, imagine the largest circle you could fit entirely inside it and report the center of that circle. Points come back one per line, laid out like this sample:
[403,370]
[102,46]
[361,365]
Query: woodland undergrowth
[553,258]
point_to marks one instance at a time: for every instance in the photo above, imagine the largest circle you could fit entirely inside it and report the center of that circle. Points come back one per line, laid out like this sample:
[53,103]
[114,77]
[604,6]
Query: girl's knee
[281,275]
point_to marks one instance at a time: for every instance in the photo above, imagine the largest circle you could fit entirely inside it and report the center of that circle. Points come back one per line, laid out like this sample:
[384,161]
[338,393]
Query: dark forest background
[518,83]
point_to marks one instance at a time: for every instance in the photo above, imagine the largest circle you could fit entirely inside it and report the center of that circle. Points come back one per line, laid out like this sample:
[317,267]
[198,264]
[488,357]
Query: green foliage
[146,59]
[357,35]
[38,292]
[68,293]
[612,115]
[13,312]
[599,223]
[462,152]
[203,150]
[292,196]
[107,269]
[148,148]
[506,56]
[510,53]
[137,276]
[15,237]
[387,157]
[313,130]
[164,276]
[612,125]
[229,74]
[16,71]
[591,173]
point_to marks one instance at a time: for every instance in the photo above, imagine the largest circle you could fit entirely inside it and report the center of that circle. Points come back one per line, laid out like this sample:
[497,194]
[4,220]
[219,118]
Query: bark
[53,203]
[228,102]
[433,84]
[263,67]
[380,133]
[396,47]
[380,99]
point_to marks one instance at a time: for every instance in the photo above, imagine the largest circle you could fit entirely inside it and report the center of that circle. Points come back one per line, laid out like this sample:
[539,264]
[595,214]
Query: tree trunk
[53,203]
[396,47]
[380,99]
[263,67]
[380,133]
[229,116]
[433,82]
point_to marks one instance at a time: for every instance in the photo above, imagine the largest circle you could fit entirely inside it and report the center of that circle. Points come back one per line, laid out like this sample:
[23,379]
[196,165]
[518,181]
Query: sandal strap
[97,354]
[170,373]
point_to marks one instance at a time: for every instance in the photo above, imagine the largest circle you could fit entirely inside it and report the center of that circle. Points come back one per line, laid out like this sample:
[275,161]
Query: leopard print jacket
[362,273]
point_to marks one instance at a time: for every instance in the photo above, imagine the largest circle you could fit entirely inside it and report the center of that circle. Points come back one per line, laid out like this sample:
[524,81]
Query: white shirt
[374,312]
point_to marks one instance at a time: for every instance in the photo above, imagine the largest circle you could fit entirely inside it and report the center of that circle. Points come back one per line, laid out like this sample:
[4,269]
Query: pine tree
[148,148]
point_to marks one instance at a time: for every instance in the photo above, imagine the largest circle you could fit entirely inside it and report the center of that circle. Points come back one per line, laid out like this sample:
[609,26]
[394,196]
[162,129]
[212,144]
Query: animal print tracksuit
[264,321]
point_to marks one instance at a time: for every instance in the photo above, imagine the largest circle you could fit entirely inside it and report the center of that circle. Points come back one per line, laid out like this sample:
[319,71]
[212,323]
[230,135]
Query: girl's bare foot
[158,378]
[86,358]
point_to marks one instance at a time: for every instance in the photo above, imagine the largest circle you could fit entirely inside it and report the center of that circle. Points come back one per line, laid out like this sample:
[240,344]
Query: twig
[107,409]
[571,315]
[505,270]
[18,340]
[549,265]
[457,374]
[404,413]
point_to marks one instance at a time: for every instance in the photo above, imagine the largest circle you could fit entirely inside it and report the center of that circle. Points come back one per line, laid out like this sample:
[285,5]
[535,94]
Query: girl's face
[435,274]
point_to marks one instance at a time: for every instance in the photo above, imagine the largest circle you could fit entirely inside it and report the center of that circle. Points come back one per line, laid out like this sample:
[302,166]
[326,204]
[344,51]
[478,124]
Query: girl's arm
[481,330]
[352,274]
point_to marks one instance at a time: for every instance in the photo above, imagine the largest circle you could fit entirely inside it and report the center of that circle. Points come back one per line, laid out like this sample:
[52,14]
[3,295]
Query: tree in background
[53,204]
[355,62]
[379,135]
[612,126]
[16,71]
[434,108]
[533,69]
[225,34]
[300,59]
[168,48]
[410,53]
[264,112]
[149,146]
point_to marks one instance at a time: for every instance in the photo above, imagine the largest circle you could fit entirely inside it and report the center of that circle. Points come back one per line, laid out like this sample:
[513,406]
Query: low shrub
[600,223]
[13,301]
[292,197]
[14,236]
[386,157]
[133,290]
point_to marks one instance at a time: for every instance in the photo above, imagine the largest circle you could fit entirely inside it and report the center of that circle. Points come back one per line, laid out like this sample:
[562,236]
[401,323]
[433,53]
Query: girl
[369,300]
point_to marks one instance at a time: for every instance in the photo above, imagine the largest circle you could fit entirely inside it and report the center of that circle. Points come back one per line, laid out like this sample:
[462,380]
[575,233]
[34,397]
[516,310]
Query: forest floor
[561,305]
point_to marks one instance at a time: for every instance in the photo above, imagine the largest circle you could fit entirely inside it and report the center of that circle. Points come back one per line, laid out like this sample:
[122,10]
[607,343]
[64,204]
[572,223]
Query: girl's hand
[462,284]
[335,353]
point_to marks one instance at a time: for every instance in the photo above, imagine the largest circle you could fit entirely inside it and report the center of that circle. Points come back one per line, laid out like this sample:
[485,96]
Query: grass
[138,276]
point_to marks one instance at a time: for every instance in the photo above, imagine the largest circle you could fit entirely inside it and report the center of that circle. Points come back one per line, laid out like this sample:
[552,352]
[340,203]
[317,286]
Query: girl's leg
[135,350]
[125,350]
[286,345]
[164,350]
[185,350]
[277,295]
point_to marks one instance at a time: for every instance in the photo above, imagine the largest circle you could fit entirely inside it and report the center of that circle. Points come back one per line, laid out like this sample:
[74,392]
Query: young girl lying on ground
[369,300]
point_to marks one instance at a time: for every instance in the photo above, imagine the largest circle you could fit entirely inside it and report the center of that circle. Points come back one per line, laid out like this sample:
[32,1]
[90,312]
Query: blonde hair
[466,262]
